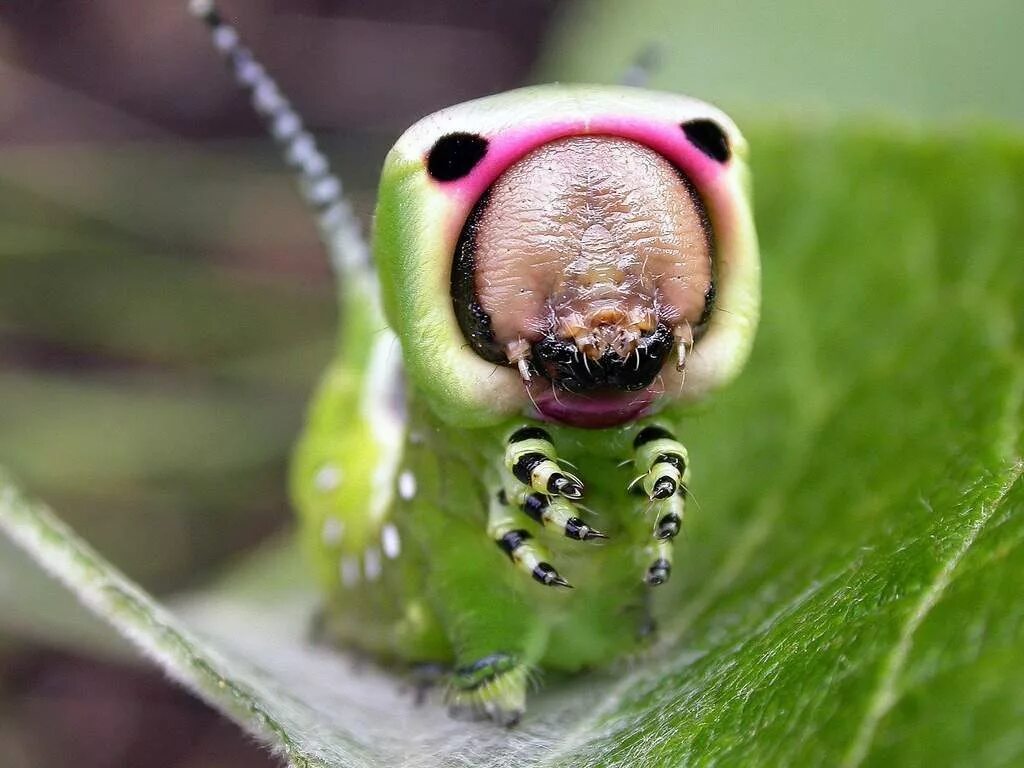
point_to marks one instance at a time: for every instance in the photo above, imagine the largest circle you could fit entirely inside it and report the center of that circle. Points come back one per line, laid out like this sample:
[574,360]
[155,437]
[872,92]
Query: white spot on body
[349,570]
[372,564]
[407,485]
[332,531]
[327,478]
[390,541]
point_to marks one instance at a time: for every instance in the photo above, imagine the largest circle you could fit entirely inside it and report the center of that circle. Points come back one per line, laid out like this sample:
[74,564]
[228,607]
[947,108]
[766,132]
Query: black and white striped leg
[669,515]
[664,477]
[531,458]
[553,512]
[661,463]
[526,554]
[321,189]
[660,562]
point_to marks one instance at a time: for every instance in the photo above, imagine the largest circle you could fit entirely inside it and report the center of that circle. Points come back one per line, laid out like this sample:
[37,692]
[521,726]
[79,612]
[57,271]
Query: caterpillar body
[491,476]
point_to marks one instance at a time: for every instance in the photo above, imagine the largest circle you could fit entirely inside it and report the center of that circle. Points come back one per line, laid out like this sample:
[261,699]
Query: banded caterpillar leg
[541,490]
[664,476]
[531,458]
[659,555]
[554,513]
[504,526]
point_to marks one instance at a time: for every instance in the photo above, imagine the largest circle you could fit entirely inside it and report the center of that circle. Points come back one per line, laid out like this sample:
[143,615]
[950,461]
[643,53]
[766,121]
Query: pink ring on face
[598,409]
[419,220]
[511,145]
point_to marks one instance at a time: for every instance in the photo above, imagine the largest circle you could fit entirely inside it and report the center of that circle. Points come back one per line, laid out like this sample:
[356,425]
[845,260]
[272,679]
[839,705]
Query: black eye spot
[455,155]
[709,138]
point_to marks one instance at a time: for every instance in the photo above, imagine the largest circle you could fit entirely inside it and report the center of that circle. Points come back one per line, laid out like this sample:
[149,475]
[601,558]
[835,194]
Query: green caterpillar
[491,476]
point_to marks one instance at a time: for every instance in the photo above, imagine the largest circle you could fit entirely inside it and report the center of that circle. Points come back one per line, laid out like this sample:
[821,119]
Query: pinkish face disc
[583,265]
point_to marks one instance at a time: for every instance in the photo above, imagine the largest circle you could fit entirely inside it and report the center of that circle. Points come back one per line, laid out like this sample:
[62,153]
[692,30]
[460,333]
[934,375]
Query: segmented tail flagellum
[321,189]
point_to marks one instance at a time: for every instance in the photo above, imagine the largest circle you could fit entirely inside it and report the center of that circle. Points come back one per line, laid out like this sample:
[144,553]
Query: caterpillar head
[581,254]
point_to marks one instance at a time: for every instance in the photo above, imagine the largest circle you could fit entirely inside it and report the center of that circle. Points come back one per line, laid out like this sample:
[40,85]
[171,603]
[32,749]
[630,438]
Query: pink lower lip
[596,410]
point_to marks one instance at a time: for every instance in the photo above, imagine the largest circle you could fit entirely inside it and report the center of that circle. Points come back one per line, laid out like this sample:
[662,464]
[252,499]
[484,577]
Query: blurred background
[165,306]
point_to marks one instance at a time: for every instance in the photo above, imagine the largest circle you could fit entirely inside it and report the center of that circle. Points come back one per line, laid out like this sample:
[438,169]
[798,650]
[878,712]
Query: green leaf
[152,233]
[149,367]
[134,457]
[848,588]
[34,608]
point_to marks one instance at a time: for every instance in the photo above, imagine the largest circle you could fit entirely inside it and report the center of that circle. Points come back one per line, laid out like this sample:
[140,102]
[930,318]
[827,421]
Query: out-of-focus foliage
[165,308]
[848,589]
[150,390]
[914,59]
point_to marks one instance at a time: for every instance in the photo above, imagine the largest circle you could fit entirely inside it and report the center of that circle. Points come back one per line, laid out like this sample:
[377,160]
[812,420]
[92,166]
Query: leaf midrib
[885,695]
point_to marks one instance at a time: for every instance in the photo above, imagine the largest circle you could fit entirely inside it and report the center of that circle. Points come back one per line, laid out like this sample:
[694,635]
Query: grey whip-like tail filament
[321,189]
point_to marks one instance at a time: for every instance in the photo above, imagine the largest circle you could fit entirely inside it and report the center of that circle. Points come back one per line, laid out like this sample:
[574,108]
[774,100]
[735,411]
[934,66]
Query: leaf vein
[886,693]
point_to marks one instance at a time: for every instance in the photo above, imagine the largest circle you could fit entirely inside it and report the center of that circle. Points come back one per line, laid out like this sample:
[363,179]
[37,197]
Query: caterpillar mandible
[491,476]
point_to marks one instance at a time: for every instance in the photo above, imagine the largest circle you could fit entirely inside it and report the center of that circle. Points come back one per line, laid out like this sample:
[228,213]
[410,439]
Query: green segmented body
[449,575]
[421,579]
[559,270]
